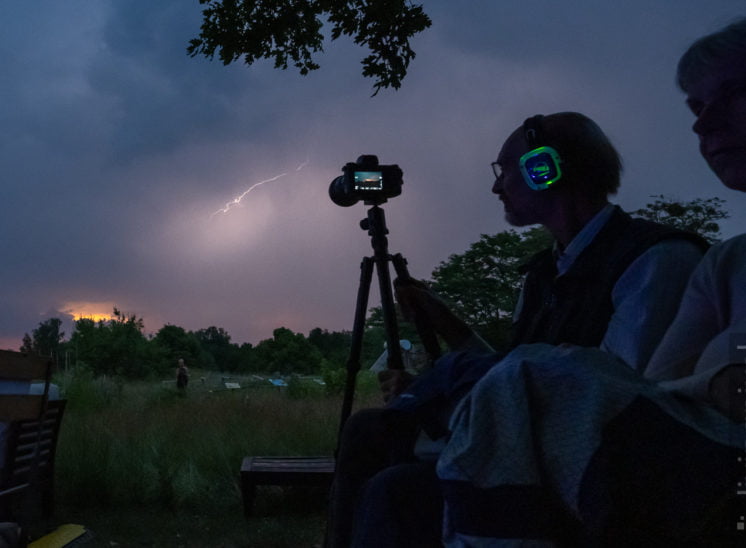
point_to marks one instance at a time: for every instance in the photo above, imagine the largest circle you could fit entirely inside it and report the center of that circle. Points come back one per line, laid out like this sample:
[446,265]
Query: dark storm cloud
[159,97]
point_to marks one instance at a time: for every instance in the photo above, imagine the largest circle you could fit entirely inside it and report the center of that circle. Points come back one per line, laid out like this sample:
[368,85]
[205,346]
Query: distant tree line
[120,347]
[480,284]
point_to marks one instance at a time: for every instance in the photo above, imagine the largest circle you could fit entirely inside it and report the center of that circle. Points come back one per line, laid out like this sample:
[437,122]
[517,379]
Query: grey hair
[591,159]
[710,52]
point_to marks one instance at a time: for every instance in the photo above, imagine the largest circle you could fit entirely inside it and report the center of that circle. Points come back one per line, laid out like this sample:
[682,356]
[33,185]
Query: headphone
[540,166]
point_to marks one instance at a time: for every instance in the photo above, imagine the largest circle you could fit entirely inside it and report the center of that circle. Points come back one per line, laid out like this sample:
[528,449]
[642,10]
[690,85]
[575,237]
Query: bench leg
[248,489]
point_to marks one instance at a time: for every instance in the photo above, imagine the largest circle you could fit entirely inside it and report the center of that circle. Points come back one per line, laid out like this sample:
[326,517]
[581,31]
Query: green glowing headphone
[540,166]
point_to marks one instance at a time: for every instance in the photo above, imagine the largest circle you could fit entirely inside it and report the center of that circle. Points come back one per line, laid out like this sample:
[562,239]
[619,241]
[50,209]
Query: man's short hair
[590,161]
[709,52]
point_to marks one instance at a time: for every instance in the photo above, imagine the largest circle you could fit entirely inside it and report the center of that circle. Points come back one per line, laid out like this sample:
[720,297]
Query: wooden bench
[304,471]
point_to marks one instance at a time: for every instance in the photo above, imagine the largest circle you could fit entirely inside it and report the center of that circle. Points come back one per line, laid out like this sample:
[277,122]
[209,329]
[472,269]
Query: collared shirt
[645,297]
[565,258]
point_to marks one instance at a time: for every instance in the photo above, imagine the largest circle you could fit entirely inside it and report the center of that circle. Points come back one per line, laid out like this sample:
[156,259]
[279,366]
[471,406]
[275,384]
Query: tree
[246,357]
[216,343]
[334,346]
[45,340]
[28,344]
[87,343]
[698,215]
[116,347]
[176,343]
[128,352]
[288,352]
[482,284]
[290,31]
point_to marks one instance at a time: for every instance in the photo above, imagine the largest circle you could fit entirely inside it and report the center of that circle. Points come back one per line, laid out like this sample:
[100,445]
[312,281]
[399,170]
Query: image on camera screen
[368,180]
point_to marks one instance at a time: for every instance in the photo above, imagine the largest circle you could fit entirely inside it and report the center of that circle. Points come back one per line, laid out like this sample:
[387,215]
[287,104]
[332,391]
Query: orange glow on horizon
[96,311]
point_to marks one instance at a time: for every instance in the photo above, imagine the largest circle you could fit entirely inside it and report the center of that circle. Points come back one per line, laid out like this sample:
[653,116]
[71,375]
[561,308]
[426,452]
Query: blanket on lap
[567,444]
[432,396]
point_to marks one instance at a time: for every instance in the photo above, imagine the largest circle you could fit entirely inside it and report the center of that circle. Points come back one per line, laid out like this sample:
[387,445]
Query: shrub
[334,378]
[85,392]
[304,387]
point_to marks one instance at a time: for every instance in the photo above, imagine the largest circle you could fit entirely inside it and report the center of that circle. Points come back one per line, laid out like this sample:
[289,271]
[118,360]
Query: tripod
[375,224]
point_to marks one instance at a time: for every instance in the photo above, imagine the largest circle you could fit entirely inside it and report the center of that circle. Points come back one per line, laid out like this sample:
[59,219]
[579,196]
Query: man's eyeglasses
[497,170]
[722,99]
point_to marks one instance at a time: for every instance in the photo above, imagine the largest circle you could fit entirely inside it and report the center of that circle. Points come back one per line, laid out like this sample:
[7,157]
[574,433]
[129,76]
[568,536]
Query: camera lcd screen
[368,180]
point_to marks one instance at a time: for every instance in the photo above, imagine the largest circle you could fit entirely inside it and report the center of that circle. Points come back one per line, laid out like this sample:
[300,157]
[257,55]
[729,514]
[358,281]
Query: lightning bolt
[235,202]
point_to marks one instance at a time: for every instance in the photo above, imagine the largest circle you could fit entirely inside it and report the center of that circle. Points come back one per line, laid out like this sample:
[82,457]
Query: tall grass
[126,444]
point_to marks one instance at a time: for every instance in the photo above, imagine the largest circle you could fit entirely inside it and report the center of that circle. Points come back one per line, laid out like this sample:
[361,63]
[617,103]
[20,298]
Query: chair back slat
[30,453]
[29,438]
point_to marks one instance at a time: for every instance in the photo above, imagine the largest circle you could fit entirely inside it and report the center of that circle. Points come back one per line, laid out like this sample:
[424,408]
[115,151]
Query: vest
[576,307]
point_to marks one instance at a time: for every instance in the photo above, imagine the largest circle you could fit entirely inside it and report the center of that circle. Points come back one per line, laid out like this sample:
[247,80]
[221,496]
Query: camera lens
[341,193]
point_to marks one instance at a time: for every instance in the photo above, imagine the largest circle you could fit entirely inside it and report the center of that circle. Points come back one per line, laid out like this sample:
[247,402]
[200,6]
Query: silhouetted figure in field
[182,376]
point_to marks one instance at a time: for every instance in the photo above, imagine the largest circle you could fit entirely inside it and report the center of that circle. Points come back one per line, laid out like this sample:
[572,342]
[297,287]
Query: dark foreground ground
[289,518]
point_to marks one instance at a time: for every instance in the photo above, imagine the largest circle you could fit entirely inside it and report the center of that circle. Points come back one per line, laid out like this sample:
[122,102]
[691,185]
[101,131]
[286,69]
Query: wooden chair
[29,430]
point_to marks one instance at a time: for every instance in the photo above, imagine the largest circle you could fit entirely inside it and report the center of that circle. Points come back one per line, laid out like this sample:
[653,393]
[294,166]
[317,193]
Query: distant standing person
[182,375]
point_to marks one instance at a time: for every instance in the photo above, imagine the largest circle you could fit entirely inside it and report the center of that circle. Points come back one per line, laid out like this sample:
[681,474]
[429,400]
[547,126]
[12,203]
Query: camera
[366,180]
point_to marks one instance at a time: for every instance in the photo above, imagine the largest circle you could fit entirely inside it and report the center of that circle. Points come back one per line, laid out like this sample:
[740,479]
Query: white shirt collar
[567,257]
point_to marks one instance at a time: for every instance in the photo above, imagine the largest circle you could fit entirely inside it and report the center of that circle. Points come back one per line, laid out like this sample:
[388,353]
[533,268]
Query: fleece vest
[576,307]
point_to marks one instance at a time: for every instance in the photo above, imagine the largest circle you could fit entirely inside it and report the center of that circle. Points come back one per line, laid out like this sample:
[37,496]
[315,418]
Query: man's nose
[710,117]
[497,187]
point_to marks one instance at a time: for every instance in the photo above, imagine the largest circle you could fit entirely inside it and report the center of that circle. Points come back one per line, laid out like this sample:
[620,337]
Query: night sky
[119,152]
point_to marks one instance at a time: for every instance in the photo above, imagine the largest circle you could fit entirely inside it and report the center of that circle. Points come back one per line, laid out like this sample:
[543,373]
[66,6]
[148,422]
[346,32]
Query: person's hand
[409,292]
[416,299]
[393,382]
[728,392]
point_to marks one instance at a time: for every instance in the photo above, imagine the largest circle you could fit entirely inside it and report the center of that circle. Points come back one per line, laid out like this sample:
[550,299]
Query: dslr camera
[366,180]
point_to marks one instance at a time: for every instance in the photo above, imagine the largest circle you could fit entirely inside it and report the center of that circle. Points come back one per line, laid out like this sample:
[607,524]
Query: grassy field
[139,464]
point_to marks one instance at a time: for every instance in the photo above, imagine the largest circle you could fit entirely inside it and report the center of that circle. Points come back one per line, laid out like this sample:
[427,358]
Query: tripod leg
[353,361]
[393,347]
[376,225]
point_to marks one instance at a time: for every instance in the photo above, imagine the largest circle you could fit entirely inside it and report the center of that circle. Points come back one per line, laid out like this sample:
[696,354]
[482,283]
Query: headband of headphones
[540,166]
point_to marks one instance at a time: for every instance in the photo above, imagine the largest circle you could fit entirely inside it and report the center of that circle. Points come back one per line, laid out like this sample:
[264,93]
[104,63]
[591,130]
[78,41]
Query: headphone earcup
[541,167]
